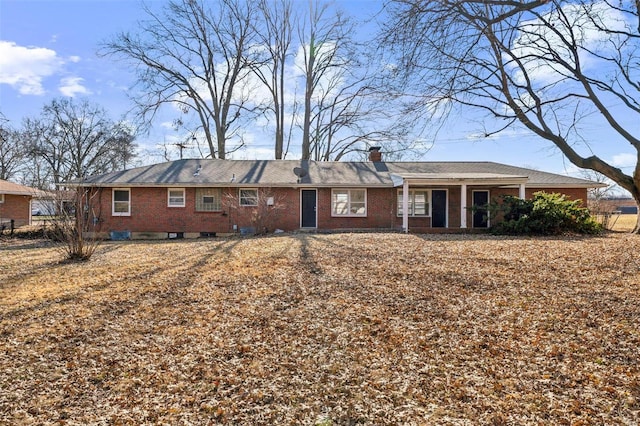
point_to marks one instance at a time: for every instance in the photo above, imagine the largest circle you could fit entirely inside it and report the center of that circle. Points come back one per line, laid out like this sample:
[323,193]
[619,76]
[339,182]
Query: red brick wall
[16,207]
[150,213]
[496,193]
[380,211]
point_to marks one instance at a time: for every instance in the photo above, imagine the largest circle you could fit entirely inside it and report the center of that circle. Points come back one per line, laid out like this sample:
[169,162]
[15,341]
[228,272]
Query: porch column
[463,205]
[522,192]
[405,205]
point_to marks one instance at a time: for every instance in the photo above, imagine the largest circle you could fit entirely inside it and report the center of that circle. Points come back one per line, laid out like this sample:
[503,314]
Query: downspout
[405,205]
[463,206]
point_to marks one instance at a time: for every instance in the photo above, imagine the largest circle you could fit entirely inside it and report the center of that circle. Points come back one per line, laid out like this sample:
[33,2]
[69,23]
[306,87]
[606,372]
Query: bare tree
[12,151]
[76,225]
[350,115]
[324,41]
[194,57]
[343,112]
[262,215]
[553,67]
[72,140]
[275,33]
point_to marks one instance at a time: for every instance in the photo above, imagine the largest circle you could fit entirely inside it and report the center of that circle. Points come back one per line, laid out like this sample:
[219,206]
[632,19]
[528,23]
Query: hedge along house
[191,198]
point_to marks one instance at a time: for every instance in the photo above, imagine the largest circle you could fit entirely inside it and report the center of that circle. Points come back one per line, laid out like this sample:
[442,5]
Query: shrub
[76,225]
[545,214]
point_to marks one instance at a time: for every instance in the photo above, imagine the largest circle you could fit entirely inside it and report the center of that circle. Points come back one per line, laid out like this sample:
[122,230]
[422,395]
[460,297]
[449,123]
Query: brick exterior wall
[16,207]
[150,213]
[496,193]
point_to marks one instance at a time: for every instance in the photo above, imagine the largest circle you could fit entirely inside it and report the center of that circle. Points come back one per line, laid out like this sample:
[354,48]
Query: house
[15,204]
[617,204]
[199,197]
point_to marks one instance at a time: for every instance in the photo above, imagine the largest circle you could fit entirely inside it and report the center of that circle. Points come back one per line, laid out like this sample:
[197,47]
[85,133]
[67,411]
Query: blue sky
[48,49]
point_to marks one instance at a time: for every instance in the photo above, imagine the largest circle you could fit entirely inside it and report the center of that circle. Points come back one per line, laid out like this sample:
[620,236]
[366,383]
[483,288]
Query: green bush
[545,214]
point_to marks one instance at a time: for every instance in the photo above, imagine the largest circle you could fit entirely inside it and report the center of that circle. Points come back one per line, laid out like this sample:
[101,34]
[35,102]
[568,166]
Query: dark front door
[308,219]
[438,208]
[480,211]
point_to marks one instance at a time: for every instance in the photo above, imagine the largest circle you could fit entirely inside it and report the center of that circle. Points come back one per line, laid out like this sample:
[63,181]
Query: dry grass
[324,329]
[623,223]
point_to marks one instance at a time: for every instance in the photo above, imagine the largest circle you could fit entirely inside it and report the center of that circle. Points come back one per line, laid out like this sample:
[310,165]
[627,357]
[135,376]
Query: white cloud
[71,86]
[624,160]
[169,125]
[24,68]
[74,59]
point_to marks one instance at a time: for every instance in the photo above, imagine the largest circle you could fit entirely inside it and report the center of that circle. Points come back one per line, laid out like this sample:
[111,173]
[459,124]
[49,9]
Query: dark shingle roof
[207,172]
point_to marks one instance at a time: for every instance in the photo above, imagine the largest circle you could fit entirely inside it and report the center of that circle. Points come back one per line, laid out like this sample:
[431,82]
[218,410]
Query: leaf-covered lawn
[324,329]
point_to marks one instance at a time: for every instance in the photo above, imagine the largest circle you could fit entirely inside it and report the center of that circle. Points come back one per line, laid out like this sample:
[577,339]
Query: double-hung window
[121,202]
[418,202]
[348,202]
[175,197]
[208,200]
[248,197]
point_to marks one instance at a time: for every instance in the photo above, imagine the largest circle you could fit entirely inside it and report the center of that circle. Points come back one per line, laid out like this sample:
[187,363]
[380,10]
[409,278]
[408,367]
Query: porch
[464,181]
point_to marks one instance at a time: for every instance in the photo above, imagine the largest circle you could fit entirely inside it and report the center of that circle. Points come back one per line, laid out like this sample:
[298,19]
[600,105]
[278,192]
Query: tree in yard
[195,56]
[12,152]
[325,44]
[343,112]
[76,226]
[547,65]
[275,33]
[260,207]
[72,140]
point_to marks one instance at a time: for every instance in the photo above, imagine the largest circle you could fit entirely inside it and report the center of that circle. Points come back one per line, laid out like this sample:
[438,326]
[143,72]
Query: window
[175,197]
[121,202]
[208,200]
[418,202]
[1,198]
[348,202]
[248,197]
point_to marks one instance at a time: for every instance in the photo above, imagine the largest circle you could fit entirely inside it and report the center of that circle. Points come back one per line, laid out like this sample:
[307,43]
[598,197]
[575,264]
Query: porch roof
[458,179]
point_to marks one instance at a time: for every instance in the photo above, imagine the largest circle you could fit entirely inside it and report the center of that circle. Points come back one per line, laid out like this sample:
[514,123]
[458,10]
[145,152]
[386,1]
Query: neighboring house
[617,204]
[190,198]
[51,203]
[15,204]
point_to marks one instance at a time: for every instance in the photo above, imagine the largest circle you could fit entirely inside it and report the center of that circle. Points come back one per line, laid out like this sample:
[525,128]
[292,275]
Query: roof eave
[568,185]
[228,185]
[31,194]
[458,182]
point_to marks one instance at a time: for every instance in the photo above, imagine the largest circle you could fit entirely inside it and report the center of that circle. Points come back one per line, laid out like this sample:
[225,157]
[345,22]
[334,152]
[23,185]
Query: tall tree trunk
[308,93]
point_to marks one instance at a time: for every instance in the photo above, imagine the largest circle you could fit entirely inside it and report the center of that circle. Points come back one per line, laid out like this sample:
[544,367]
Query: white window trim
[334,214]
[113,202]
[412,200]
[1,198]
[184,197]
[240,197]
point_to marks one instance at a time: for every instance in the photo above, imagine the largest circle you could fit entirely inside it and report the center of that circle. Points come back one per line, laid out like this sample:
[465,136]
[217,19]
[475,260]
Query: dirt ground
[339,329]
